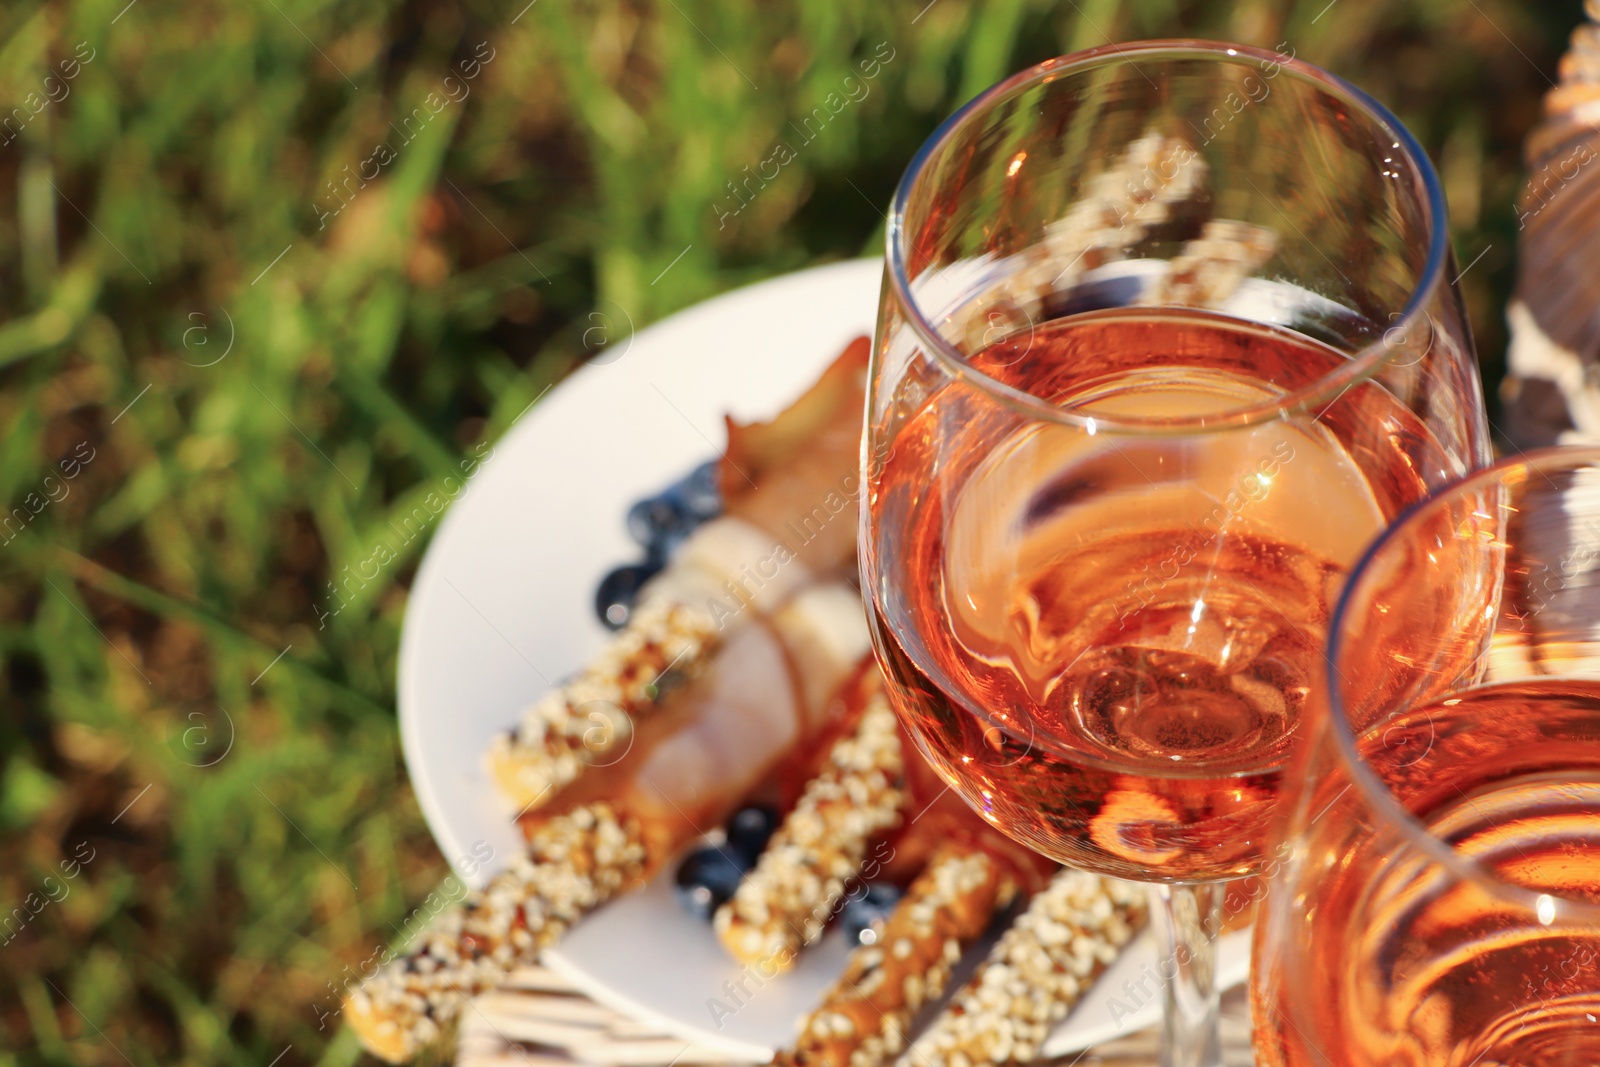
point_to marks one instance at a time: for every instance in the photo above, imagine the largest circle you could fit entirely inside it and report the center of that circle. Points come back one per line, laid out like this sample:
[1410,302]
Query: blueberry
[654,515]
[707,877]
[667,543]
[865,912]
[749,830]
[613,600]
[701,492]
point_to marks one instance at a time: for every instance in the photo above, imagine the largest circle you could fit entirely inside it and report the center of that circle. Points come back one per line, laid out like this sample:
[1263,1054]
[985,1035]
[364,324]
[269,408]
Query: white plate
[502,607]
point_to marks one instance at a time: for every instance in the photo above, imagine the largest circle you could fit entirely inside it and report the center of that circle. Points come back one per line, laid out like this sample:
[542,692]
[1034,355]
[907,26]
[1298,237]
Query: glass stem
[1187,920]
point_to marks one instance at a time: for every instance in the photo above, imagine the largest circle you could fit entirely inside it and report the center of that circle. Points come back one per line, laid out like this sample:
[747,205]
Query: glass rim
[1374,792]
[1360,366]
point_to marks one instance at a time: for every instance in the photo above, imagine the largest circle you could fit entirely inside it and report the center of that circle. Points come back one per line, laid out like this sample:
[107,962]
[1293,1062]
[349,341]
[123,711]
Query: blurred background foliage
[267,368]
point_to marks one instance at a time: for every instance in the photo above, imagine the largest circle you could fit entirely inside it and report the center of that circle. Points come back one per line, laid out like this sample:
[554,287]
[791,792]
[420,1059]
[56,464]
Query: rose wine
[1398,962]
[1104,640]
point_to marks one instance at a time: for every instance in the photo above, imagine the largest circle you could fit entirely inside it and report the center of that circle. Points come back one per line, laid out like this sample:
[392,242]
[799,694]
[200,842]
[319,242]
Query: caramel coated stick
[864,1019]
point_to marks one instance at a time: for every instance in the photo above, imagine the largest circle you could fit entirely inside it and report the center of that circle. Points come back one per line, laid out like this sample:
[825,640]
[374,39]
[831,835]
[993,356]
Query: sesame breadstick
[785,903]
[790,488]
[1038,969]
[719,738]
[1210,267]
[1122,203]
[1115,211]
[665,643]
[864,1018]
[575,862]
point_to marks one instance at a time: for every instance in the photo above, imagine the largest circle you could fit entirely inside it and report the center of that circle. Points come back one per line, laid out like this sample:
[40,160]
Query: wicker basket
[539,1020]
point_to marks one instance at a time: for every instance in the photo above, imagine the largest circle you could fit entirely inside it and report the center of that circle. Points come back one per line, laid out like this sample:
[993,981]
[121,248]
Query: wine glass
[1167,336]
[1436,899]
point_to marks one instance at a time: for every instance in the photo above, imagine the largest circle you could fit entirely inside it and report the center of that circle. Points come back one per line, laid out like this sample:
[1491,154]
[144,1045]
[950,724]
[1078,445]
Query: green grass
[166,210]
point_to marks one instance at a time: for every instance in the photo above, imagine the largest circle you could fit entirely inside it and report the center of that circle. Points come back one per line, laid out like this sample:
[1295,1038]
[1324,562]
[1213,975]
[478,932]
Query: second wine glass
[1166,339]
[1437,902]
